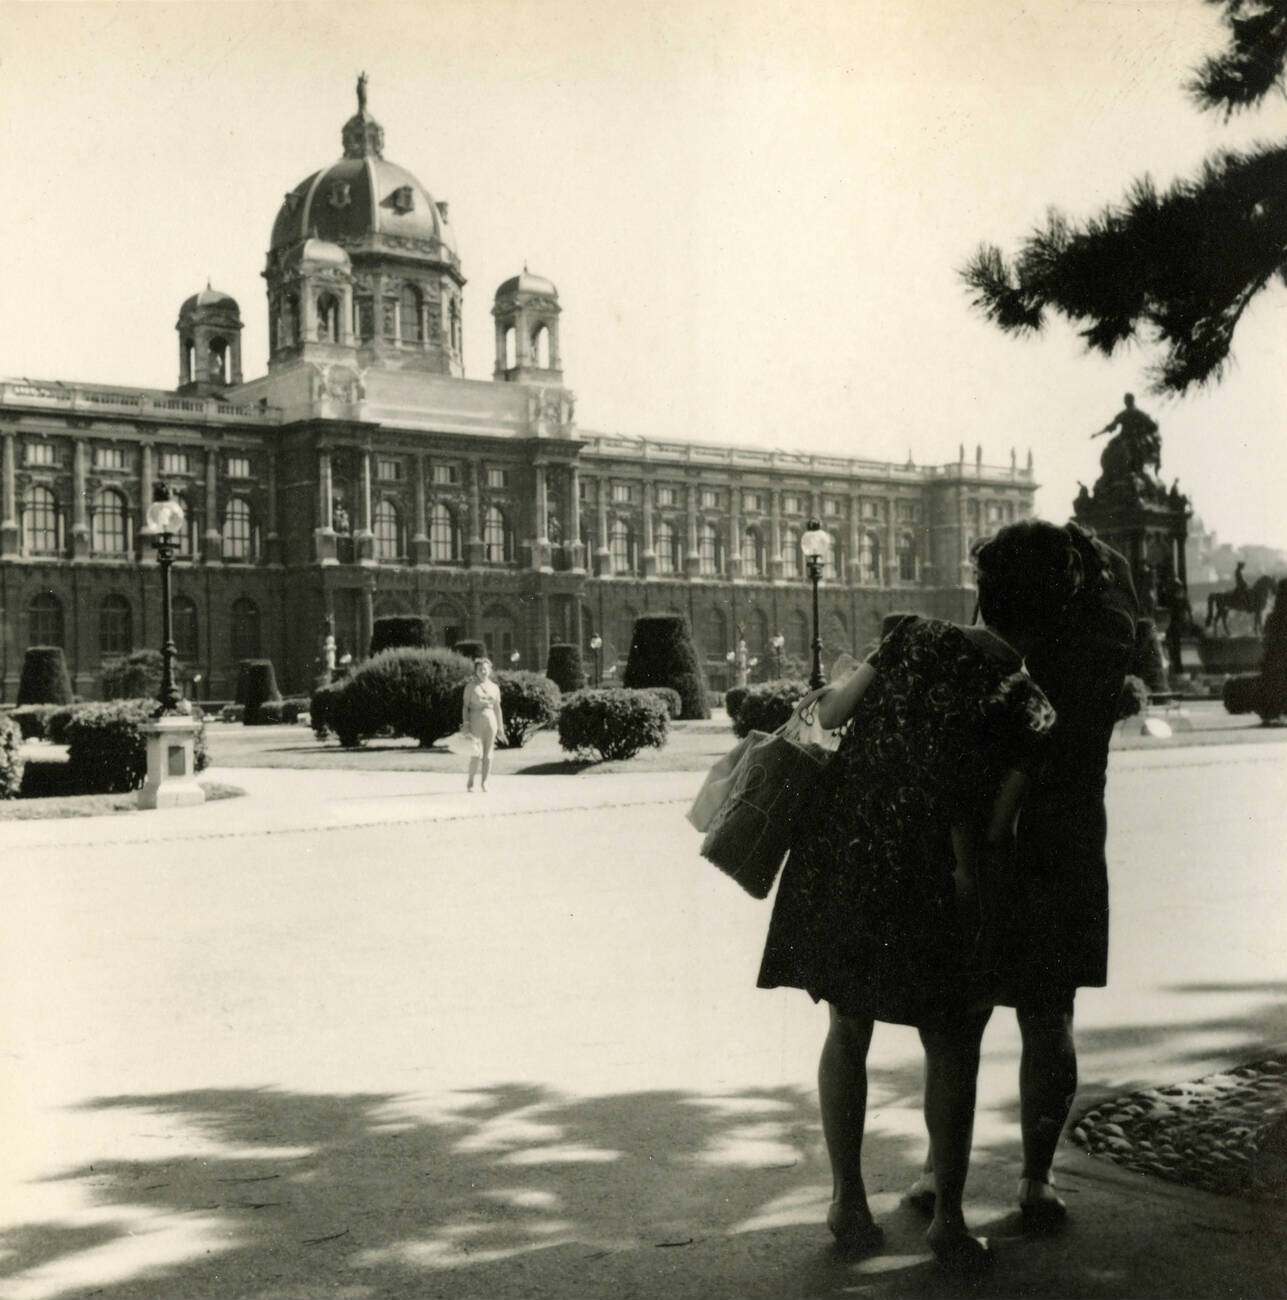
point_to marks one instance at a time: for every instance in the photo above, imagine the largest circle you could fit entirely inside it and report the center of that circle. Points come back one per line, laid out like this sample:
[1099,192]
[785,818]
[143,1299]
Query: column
[346,332]
[540,517]
[366,616]
[500,348]
[735,532]
[363,539]
[692,557]
[80,499]
[324,546]
[147,482]
[420,538]
[9,532]
[308,303]
[214,538]
[603,556]
[543,625]
[775,535]
[272,543]
[649,551]
[891,544]
[475,553]
[576,549]
[855,542]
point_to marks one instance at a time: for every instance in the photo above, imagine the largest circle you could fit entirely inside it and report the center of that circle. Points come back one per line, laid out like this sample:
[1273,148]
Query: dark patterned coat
[865,916]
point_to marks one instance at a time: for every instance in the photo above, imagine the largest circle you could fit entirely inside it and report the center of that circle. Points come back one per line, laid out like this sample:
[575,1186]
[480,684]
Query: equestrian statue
[1246,599]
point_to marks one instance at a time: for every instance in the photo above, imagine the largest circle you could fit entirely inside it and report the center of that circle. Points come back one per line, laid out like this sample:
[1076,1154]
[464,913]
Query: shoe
[855,1234]
[922,1195]
[1040,1211]
[961,1255]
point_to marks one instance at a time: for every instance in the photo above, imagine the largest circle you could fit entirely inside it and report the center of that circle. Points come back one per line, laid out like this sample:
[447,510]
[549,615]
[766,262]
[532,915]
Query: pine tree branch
[1253,63]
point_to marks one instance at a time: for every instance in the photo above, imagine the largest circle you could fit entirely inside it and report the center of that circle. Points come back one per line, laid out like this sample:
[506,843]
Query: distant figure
[1138,440]
[481,720]
[361,92]
[1240,587]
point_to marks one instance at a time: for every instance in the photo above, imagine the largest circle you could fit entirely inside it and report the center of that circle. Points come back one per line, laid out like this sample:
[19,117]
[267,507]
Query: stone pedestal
[171,763]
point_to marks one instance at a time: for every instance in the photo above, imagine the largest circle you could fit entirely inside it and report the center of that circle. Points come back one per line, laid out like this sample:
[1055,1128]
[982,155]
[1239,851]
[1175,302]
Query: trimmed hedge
[256,686]
[1133,698]
[674,705]
[232,713]
[529,701]
[273,712]
[394,630]
[733,698]
[33,719]
[134,677]
[11,760]
[662,654]
[564,667]
[1253,693]
[44,676]
[471,650]
[106,748]
[613,724]
[767,707]
[321,705]
[406,691]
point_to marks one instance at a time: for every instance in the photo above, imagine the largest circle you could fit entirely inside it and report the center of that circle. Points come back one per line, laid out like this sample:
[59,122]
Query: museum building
[363,474]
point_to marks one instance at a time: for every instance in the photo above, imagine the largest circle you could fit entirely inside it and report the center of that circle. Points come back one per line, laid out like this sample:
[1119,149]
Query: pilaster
[649,551]
[420,550]
[776,564]
[324,533]
[80,500]
[475,551]
[10,536]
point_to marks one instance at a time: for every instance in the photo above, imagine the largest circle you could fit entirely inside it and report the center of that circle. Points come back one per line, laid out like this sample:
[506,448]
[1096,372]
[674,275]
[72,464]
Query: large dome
[365,202]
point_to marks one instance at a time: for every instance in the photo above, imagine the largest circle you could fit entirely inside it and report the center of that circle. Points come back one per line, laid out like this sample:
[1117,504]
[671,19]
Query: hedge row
[767,706]
[106,747]
[11,762]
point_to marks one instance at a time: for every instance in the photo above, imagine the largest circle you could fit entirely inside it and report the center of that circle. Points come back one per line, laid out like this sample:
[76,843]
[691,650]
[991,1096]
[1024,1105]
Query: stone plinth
[171,763]
[1231,654]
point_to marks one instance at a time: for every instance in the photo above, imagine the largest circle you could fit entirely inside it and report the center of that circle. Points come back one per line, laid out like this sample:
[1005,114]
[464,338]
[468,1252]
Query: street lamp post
[816,547]
[596,644]
[514,658]
[165,524]
[778,642]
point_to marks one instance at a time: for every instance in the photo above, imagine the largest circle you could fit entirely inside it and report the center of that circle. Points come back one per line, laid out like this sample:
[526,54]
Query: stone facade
[362,474]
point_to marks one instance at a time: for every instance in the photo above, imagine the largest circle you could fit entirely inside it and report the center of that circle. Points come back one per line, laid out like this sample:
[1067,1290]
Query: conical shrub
[662,654]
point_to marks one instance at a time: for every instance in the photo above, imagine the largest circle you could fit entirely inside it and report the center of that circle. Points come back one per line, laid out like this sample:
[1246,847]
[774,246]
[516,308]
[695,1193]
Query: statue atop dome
[361,92]
[363,136]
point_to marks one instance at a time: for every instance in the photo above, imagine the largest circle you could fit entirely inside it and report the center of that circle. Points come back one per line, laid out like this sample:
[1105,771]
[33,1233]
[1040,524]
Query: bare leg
[951,1085]
[842,1094]
[1047,1086]
[473,771]
[487,760]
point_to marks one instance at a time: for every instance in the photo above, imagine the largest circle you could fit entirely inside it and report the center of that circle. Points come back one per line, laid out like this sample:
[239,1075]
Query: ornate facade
[363,474]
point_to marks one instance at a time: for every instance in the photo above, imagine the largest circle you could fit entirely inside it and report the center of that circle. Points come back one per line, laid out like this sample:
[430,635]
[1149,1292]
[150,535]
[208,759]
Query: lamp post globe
[778,642]
[815,545]
[596,644]
[165,524]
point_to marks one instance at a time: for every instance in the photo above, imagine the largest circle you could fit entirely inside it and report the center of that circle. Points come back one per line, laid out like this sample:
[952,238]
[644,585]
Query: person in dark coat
[1059,937]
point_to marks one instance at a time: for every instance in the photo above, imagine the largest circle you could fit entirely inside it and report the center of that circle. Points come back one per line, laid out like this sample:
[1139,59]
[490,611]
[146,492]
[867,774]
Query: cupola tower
[526,311]
[209,329]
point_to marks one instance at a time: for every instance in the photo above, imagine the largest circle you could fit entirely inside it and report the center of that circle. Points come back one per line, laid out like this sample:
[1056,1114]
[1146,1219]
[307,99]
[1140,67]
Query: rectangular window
[498,478]
[109,457]
[174,462]
[388,467]
[752,502]
[446,475]
[621,492]
[710,498]
[994,512]
[41,453]
[665,496]
[873,510]
[906,512]
[831,507]
[238,467]
[972,510]
[582,490]
[793,504]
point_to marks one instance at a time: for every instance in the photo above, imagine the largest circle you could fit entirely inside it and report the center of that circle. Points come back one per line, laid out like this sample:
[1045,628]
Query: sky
[755,213]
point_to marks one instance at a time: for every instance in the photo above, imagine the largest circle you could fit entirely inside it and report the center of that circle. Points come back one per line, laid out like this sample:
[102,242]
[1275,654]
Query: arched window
[185,628]
[709,551]
[792,558]
[757,634]
[189,361]
[497,538]
[238,530]
[869,559]
[541,347]
[511,348]
[41,525]
[752,553]
[219,371]
[499,633]
[110,531]
[412,316]
[444,536]
[620,544]
[836,633]
[832,567]
[44,619]
[907,558]
[626,618]
[115,626]
[290,318]
[245,628]
[449,622]
[797,634]
[716,634]
[328,318]
[388,531]
[664,544]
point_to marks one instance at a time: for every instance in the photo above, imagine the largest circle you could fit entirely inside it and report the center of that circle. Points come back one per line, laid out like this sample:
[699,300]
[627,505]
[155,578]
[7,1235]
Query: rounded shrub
[529,702]
[564,667]
[33,719]
[1253,693]
[471,650]
[320,705]
[768,706]
[134,677]
[612,724]
[232,713]
[44,676]
[256,686]
[11,760]
[662,654]
[273,712]
[106,747]
[393,630]
[1133,698]
[56,723]
[407,691]
[674,705]
[733,698]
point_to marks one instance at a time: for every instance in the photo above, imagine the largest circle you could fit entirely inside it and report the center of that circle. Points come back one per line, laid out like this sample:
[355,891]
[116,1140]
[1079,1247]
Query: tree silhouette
[1175,268]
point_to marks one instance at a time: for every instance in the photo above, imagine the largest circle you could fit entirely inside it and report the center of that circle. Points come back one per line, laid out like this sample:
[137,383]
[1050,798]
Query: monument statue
[1247,600]
[361,92]
[1136,449]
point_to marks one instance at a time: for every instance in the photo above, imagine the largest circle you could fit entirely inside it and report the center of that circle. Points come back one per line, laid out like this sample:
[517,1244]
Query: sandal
[855,1234]
[961,1254]
[1040,1213]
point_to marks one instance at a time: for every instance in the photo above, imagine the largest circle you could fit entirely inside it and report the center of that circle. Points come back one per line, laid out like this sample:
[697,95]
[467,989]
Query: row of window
[710,498]
[110,532]
[43,453]
[47,625]
[401,316]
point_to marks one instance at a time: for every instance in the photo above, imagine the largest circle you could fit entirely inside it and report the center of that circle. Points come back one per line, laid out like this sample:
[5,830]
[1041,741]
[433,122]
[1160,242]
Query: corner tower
[526,311]
[209,328]
[401,306]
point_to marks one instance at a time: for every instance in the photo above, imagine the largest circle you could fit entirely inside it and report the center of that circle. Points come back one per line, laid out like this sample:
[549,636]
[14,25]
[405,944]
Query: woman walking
[888,902]
[481,719]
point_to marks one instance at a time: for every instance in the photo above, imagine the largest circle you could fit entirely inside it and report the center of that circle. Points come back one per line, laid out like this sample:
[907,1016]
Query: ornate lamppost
[596,644]
[778,642]
[171,735]
[739,660]
[513,659]
[815,545]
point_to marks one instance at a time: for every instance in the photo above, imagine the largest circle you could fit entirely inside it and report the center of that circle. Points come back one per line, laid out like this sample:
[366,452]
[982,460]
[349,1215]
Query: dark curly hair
[1027,574]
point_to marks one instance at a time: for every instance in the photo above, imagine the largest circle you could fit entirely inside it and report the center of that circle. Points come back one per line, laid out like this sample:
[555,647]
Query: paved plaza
[360,1034]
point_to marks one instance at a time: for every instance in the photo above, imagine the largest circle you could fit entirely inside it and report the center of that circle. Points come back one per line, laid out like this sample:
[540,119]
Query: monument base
[171,763]
[1231,654]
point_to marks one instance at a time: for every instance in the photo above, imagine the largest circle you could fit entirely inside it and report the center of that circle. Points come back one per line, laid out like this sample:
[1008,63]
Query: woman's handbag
[771,780]
[718,785]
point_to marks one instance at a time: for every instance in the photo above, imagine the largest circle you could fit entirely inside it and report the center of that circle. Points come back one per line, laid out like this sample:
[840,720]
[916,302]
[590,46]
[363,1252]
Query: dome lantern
[526,311]
[209,328]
